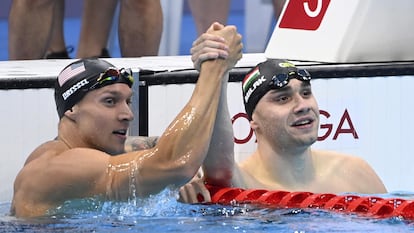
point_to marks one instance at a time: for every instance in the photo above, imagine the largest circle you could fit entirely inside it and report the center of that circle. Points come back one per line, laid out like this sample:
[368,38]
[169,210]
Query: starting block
[344,31]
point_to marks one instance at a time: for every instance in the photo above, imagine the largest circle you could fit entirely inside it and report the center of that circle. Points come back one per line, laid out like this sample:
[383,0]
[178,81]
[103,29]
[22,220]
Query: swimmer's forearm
[218,165]
[203,104]
[186,140]
[181,149]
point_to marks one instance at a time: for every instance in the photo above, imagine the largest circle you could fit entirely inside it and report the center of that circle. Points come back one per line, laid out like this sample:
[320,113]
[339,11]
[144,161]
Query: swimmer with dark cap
[284,115]
[89,157]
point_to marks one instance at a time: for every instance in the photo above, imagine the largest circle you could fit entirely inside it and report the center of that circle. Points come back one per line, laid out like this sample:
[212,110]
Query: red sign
[304,14]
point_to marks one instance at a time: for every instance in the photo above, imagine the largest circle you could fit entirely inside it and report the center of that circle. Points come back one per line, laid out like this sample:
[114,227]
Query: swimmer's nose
[302,105]
[126,113]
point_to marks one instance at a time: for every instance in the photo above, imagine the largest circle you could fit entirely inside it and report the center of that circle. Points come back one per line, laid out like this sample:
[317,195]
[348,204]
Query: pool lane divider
[369,206]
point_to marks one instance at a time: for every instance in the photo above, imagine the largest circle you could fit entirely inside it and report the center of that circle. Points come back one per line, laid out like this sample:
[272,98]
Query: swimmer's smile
[120,133]
[303,123]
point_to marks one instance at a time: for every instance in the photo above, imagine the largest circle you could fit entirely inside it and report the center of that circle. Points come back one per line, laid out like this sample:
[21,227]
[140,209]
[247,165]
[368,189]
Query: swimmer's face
[103,117]
[288,116]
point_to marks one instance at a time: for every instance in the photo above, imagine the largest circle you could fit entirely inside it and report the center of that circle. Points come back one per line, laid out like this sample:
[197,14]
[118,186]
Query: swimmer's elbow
[185,174]
[220,178]
[172,174]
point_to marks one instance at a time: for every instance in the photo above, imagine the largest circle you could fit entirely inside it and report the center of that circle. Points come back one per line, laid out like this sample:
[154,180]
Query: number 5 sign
[304,14]
[346,31]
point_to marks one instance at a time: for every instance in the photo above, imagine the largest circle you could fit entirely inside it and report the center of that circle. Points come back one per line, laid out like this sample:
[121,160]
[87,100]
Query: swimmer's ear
[253,125]
[72,113]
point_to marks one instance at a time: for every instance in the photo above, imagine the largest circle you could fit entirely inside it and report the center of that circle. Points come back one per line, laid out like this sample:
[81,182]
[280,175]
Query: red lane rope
[376,207]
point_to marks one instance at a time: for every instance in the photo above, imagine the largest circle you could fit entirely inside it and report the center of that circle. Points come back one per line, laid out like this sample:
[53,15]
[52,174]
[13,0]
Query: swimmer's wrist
[217,64]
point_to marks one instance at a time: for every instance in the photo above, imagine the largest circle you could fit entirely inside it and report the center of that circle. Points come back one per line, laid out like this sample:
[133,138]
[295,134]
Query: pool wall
[366,109]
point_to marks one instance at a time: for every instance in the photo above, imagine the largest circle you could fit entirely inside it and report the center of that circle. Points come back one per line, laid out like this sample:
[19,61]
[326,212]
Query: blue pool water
[162,213]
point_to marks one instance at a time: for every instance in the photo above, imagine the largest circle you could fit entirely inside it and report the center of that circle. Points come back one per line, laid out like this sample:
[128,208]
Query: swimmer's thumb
[217,26]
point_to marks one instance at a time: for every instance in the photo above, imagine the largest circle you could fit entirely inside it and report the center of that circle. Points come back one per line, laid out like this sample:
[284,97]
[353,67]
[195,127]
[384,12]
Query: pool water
[162,213]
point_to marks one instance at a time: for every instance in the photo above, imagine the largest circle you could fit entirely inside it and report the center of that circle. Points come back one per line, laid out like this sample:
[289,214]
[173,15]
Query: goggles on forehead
[113,75]
[281,80]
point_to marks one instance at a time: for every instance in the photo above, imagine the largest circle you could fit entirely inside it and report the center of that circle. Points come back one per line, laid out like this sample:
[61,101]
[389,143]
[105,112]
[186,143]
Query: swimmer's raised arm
[183,147]
[219,163]
[88,157]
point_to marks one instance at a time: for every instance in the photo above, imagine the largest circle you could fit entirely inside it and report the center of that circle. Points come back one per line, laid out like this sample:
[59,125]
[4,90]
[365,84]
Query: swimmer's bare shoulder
[335,161]
[49,148]
[356,170]
[242,178]
[56,147]
[58,174]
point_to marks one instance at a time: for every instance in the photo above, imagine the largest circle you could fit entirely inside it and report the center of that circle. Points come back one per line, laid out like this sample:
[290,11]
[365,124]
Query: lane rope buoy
[371,206]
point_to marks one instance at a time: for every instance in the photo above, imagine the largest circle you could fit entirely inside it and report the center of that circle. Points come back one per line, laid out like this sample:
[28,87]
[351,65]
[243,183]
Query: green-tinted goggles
[113,75]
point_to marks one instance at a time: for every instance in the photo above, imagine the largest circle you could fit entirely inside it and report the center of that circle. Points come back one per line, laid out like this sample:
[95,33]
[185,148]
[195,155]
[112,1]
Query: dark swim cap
[268,75]
[82,76]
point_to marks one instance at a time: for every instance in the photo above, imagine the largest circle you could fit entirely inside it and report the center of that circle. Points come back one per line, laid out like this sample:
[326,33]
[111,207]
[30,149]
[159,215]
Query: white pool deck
[50,68]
